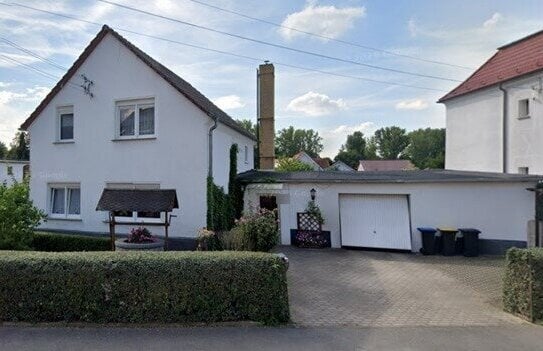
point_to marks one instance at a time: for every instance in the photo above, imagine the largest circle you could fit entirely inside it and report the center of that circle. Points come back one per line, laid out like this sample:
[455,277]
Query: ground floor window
[129,216]
[65,201]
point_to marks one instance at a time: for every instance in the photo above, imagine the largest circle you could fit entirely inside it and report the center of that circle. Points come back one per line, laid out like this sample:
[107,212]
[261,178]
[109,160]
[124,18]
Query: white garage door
[375,221]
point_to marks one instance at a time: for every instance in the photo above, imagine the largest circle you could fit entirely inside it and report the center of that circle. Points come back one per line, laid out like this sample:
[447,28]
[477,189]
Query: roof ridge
[514,42]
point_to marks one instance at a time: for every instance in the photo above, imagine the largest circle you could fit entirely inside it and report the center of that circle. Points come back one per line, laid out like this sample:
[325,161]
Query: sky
[450,33]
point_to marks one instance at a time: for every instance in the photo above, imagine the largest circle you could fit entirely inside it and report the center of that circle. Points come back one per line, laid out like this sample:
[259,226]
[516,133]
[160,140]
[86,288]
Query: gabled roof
[513,60]
[322,162]
[311,161]
[143,200]
[336,165]
[175,81]
[385,165]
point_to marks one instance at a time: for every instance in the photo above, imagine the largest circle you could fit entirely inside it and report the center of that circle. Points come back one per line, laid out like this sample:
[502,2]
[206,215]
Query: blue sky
[463,33]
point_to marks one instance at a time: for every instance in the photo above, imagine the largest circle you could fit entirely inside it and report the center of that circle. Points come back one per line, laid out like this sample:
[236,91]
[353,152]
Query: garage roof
[422,176]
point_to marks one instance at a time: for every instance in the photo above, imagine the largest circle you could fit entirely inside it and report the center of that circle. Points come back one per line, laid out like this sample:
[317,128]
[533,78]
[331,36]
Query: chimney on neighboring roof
[266,115]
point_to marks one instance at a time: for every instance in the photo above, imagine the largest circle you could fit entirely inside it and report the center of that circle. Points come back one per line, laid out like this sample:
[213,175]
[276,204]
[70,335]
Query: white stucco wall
[17,170]
[500,210]
[475,129]
[177,158]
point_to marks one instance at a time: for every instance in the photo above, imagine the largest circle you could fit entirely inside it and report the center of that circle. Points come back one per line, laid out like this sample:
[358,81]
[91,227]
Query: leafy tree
[3,150]
[290,141]
[427,148]
[248,125]
[289,164]
[19,148]
[391,142]
[353,150]
[371,149]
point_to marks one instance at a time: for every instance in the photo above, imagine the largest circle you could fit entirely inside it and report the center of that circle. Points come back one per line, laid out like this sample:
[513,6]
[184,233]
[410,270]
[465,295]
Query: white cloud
[412,27]
[229,102]
[315,104]
[492,21]
[333,138]
[329,21]
[415,104]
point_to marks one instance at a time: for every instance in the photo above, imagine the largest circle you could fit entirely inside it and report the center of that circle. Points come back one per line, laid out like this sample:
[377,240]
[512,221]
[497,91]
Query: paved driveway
[368,288]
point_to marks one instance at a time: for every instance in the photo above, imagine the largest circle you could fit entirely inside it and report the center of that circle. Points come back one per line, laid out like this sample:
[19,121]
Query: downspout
[505,141]
[210,146]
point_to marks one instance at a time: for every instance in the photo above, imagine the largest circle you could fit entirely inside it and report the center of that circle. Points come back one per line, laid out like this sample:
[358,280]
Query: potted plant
[139,239]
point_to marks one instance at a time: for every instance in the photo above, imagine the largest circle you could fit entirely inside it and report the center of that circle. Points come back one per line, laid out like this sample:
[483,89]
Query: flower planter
[122,245]
[313,239]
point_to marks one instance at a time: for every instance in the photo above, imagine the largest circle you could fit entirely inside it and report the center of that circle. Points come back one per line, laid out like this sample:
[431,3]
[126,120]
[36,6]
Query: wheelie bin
[471,241]
[428,240]
[448,241]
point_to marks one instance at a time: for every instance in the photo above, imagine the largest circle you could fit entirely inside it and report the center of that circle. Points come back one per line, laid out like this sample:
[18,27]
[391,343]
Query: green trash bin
[448,241]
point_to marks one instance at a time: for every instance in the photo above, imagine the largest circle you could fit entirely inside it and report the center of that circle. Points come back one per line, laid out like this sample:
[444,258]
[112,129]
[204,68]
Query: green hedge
[63,242]
[523,283]
[143,287]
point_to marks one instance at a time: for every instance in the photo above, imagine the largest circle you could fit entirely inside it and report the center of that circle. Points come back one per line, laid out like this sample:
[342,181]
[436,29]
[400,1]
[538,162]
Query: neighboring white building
[13,170]
[495,117]
[340,166]
[384,209]
[320,163]
[137,125]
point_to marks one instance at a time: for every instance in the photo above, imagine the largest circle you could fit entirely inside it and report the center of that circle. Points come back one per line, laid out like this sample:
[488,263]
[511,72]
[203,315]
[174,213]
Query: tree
[391,142]
[289,164]
[19,149]
[427,148]
[353,150]
[371,149]
[248,125]
[3,150]
[290,141]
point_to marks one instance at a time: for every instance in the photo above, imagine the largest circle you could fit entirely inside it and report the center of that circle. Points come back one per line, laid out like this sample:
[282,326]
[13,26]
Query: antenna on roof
[87,84]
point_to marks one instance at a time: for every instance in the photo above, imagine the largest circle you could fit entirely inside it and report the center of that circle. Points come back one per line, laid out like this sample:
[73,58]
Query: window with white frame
[65,123]
[129,216]
[135,119]
[246,154]
[65,201]
[10,170]
[524,108]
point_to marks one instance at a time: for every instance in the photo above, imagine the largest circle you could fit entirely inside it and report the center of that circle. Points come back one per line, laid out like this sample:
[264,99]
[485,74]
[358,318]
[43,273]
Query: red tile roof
[323,162]
[513,60]
[385,165]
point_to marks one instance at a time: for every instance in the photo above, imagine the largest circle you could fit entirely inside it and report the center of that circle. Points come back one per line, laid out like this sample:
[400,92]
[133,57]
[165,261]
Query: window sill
[64,142]
[64,219]
[523,117]
[135,138]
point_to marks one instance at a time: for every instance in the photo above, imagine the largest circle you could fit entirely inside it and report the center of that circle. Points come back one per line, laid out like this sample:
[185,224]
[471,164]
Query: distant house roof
[339,166]
[513,60]
[323,162]
[173,79]
[385,165]
[417,176]
[151,200]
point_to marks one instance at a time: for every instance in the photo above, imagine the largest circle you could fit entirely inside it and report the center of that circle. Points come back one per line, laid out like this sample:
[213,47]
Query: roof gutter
[210,145]
[505,140]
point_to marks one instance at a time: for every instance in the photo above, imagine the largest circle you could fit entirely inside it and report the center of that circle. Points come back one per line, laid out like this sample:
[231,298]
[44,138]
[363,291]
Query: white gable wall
[17,169]
[177,158]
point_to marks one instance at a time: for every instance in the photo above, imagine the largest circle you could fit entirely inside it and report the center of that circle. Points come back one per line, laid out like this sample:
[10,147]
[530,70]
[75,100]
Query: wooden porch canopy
[138,200]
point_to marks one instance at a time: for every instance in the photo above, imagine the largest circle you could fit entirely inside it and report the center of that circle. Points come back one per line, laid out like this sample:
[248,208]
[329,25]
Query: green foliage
[353,150]
[523,283]
[143,287]
[3,150]
[371,150]
[427,148]
[248,125]
[18,216]
[218,207]
[391,142]
[63,242]
[19,148]
[208,240]
[235,193]
[314,211]
[290,141]
[257,231]
[289,164]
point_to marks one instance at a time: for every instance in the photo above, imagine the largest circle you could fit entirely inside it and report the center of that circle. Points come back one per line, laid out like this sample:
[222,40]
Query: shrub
[257,231]
[208,240]
[523,283]
[18,216]
[64,242]
[289,164]
[143,287]
[140,235]
[315,212]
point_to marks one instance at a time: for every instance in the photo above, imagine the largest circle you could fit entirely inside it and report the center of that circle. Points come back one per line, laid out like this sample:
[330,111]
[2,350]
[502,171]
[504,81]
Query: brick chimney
[266,115]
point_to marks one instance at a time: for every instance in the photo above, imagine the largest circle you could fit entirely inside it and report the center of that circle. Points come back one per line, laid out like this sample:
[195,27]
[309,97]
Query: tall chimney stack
[266,115]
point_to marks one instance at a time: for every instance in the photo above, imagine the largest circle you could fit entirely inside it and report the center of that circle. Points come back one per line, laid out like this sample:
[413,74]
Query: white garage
[375,221]
[384,209]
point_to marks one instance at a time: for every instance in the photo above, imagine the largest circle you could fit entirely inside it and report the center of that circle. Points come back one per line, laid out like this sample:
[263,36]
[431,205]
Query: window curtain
[57,201]
[74,206]
[147,120]
[67,126]
[127,117]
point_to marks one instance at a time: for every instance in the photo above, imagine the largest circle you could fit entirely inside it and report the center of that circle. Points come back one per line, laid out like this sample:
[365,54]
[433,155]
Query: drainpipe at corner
[210,146]
[505,141]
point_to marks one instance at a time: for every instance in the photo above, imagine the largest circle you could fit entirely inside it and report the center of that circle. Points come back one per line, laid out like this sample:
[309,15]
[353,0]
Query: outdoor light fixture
[313,193]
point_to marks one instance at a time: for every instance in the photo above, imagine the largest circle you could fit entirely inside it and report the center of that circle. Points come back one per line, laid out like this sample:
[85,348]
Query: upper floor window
[65,123]
[524,108]
[135,118]
[65,201]
[10,170]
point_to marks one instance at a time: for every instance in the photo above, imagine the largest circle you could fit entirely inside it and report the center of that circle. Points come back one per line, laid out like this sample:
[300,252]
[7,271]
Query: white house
[494,118]
[132,124]
[13,170]
[321,164]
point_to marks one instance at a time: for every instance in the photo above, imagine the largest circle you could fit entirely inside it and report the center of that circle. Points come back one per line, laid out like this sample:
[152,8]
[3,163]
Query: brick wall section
[266,115]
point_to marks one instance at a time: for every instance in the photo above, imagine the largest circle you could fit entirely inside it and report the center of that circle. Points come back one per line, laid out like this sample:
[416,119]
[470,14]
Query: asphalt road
[518,338]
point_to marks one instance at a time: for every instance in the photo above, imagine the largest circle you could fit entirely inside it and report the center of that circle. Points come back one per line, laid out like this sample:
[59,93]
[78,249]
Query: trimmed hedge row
[523,283]
[143,287]
[63,242]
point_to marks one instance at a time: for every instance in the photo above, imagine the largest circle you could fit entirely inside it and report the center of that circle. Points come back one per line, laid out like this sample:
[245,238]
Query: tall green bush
[235,193]
[257,231]
[143,287]
[18,216]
